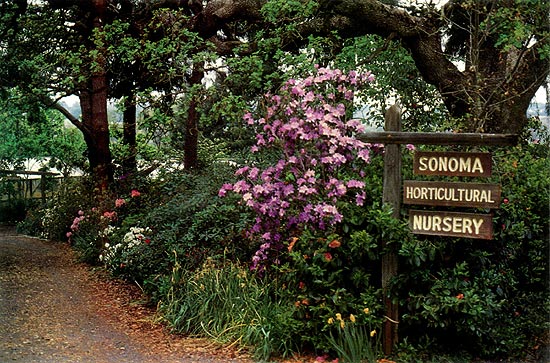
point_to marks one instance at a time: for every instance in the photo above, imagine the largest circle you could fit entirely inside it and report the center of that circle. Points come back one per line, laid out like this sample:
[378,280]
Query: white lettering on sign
[455,224]
[450,164]
[449,194]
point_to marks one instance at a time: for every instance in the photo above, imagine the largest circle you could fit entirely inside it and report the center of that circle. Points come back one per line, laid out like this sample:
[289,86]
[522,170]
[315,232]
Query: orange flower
[293,241]
[460,296]
[335,244]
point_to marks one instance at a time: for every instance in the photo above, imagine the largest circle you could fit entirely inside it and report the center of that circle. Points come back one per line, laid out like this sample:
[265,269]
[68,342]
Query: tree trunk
[94,109]
[191,158]
[129,163]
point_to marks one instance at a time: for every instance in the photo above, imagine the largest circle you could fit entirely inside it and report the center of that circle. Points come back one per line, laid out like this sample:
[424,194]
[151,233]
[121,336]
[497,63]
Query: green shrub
[193,221]
[488,298]
[53,220]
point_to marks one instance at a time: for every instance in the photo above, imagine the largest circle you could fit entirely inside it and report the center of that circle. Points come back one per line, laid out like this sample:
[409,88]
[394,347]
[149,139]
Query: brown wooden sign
[452,224]
[452,163]
[451,194]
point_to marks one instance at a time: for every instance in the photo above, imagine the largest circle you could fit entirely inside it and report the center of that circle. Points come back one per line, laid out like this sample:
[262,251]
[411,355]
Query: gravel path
[53,309]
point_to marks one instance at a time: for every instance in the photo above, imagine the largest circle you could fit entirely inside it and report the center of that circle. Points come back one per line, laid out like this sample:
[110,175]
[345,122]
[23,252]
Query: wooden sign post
[392,197]
[451,194]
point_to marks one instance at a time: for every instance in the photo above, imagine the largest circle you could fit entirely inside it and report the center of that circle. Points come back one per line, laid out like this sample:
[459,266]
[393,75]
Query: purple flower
[223,190]
[307,127]
[360,198]
[241,186]
[248,118]
[355,184]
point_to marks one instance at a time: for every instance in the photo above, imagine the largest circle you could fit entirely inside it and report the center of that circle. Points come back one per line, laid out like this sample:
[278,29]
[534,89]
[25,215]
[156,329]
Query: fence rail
[19,188]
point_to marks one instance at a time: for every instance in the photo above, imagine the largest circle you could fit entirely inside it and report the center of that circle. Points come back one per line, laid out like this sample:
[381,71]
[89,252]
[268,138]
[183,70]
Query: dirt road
[53,309]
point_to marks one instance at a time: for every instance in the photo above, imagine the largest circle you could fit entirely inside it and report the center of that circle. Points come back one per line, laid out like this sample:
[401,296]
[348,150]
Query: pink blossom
[248,118]
[135,193]
[119,202]
[241,186]
[110,215]
[253,173]
[223,190]
[241,171]
[355,184]
[360,198]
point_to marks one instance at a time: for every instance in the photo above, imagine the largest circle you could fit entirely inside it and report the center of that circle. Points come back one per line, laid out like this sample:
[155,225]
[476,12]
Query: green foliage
[191,220]
[329,273]
[30,131]
[355,343]
[86,240]
[488,298]
[396,76]
[228,304]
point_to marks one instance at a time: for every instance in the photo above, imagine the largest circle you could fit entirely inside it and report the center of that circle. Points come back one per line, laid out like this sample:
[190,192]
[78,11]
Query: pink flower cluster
[76,224]
[308,125]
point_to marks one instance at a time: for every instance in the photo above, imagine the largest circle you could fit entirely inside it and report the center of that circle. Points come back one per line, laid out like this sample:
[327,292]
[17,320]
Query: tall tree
[55,49]
[505,45]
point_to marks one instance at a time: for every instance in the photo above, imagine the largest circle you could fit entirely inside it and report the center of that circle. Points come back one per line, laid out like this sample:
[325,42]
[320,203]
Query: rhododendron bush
[309,126]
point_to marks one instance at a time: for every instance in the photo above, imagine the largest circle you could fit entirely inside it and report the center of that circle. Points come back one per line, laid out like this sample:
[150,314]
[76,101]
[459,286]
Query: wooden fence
[22,187]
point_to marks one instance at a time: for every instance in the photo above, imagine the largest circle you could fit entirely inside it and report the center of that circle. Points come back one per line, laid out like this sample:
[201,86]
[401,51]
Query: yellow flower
[366,310]
[338,316]
[373,333]
[330,321]
[352,318]
[342,324]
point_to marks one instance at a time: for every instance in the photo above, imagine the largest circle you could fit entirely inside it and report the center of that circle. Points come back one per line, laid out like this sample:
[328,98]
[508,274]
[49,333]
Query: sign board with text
[452,224]
[452,163]
[451,194]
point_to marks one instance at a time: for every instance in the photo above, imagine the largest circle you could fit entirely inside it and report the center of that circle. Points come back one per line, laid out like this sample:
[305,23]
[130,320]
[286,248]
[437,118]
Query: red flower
[147,241]
[328,256]
[505,201]
[135,193]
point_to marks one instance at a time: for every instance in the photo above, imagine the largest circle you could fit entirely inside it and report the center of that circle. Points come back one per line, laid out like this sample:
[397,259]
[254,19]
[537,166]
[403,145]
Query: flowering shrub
[118,255]
[319,160]
[353,341]
[84,236]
